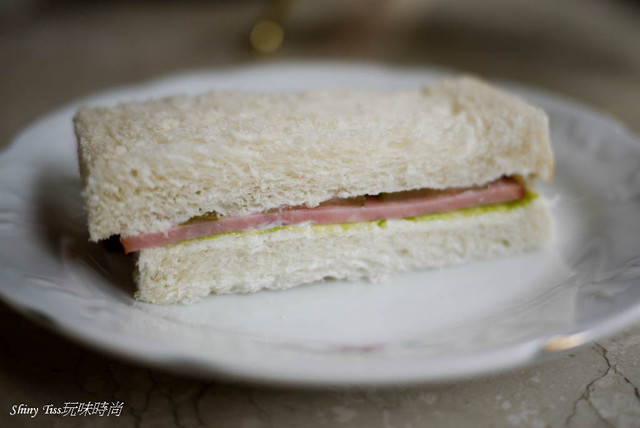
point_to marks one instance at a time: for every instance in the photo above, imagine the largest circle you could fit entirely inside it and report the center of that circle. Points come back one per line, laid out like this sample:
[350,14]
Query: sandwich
[234,192]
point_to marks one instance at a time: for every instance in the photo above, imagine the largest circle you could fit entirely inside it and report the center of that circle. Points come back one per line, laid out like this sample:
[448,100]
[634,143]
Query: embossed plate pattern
[418,327]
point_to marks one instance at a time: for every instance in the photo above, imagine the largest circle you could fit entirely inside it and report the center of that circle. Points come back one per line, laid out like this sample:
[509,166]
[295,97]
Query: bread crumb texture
[287,257]
[148,165]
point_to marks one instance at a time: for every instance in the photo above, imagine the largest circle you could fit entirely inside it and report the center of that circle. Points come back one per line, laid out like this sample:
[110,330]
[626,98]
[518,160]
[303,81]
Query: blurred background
[52,51]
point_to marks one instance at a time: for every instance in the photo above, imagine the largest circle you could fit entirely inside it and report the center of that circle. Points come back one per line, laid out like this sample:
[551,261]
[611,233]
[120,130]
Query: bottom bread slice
[288,256]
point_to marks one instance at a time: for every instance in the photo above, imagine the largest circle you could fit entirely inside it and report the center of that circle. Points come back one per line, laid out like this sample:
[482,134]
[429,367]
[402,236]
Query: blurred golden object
[564,343]
[266,36]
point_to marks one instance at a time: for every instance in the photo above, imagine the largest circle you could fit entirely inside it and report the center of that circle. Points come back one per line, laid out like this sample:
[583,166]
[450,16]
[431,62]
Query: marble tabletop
[54,52]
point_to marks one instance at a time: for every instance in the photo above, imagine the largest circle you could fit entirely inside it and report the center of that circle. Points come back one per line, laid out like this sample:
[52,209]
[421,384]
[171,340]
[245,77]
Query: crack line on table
[587,392]
[264,414]
[139,415]
[605,354]
[197,399]
[171,396]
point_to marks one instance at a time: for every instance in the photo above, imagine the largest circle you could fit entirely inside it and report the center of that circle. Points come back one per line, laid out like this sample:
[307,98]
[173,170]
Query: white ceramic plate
[418,327]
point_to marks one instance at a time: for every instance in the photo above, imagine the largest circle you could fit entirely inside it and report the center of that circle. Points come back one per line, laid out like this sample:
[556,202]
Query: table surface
[587,50]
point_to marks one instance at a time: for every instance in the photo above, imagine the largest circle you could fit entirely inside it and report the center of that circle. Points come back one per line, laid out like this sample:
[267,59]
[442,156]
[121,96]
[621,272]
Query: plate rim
[531,353]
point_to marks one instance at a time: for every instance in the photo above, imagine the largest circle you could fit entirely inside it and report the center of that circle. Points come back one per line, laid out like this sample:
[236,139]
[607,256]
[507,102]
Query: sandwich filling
[384,206]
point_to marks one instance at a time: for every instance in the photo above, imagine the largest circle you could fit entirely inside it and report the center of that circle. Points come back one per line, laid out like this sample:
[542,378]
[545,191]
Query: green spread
[381,224]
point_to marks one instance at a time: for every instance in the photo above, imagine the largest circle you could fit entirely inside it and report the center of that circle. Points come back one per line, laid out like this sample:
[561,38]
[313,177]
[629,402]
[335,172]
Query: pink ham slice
[388,206]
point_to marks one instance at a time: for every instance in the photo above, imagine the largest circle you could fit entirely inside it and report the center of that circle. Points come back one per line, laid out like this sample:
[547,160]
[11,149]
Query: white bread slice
[146,166]
[293,255]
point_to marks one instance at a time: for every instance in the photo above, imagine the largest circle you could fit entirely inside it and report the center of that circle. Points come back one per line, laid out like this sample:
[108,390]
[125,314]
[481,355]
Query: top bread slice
[148,165]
